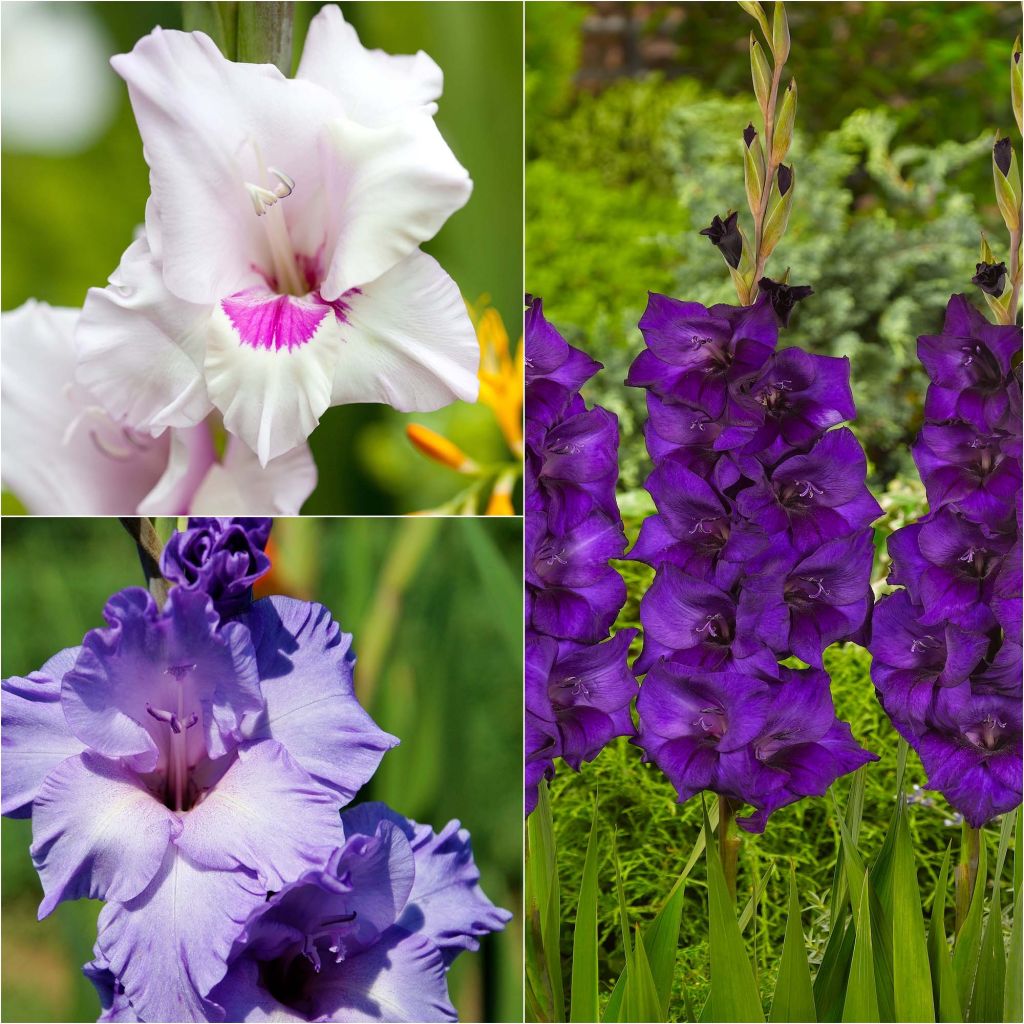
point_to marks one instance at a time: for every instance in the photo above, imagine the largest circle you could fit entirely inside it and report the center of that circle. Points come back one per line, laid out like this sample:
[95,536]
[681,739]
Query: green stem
[728,845]
[150,548]
[967,875]
[265,34]
[769,180]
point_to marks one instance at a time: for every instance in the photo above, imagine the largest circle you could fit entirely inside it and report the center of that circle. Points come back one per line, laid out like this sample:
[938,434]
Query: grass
[655,835]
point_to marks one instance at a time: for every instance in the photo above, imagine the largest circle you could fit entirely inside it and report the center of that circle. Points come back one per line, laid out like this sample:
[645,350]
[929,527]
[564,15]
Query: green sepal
[753,174]
[1008,191]
[780,33]
[756,11]
[760,73]
[778,218]
[985,251]
[783,137]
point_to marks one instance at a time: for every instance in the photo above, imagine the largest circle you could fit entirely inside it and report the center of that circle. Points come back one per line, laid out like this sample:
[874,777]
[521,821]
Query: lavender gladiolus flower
[762,550]
[179,767]
[221,557]
[946,649]
[578,689]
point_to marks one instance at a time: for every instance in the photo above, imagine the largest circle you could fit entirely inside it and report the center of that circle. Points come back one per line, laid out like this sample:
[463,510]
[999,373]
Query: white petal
[375,87]
[241,486]
[389,189]
[208,127]
[409,341]
[271,397]
[192,455]
[62,454]
[140,348]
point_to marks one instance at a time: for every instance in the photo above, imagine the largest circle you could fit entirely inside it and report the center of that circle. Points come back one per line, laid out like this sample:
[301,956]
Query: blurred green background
[634,120]
[435,606]
[71,203]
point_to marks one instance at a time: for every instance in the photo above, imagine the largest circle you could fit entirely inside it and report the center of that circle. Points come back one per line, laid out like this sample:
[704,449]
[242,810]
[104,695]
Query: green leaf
[545,902]
[968,943]
[911,977]
[747,914]
[583,998]
[939,962]
[778,218]
[794,997]
[861,1000]
[1013,1002]
[987,999]
[734,994]
[646,997]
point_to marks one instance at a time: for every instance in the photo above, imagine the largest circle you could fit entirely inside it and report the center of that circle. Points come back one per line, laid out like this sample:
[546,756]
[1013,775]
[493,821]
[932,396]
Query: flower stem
[265,34]
[967,875]
[728,845]
[150,548]
[769,180]
[1015,274]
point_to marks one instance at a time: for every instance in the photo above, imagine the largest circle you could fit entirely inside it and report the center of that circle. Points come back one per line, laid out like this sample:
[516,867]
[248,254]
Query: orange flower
[501,375]
[437,447]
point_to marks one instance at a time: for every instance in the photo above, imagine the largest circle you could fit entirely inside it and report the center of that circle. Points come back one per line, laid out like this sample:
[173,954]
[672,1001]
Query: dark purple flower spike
[578,688]
[946,648]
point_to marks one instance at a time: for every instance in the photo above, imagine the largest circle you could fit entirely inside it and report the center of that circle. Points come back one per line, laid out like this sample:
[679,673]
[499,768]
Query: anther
[264,198]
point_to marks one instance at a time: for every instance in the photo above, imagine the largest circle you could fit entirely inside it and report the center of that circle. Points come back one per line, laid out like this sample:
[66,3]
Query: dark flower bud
[725,235]
[1003,152]
[785,179]
[990,278]
[784,297]
[749,134]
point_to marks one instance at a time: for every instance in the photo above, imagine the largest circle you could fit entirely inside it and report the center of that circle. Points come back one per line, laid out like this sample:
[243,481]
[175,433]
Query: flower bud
[1002,153]
[990,278]
[753,168]
[725,236]
[784,179]
[1007,182]
[778,215]
[784,297]
[783,137]
[760,72]
[1016,83]
[780,33]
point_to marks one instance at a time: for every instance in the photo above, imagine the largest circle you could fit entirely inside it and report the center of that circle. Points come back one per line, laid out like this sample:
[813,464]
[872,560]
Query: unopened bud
[990,278]
[725,235]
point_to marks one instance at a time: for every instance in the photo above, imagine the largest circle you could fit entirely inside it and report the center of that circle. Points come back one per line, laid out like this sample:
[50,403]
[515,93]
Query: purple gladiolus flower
[221,557]
[946,649]
[578,689]
[761,546]
[179,768]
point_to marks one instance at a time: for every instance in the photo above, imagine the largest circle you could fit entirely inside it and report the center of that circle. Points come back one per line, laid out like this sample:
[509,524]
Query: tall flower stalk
[762,540]
[947,647]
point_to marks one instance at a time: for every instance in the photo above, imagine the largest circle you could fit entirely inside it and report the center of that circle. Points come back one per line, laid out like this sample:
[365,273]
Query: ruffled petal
[168,946]
[35,735]
[191,457]
[375,88]
[271,377]
[97,831]
[140,348]
[62,452]
[388,190]
[409,342]
[305,664]
[446,903]
[266,815]
[240,485]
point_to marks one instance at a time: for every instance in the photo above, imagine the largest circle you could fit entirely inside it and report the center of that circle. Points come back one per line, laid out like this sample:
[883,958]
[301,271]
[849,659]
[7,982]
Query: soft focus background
[634,120]
[74,187]
[435,606]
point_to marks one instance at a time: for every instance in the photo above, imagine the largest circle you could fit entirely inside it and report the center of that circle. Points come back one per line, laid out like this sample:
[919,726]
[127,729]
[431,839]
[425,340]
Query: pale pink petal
[210,128]
[62,453]
[374,87]
[140,348]
[409,341]
[387,190]
[269,368]
[192,455]
[241,486]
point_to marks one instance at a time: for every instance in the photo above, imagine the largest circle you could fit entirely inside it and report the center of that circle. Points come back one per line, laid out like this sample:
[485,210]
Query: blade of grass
[647,1000]
[734,994]
[987,999]
[940,965]
[794,997]
[583,994]
[1013,999]
[547,897]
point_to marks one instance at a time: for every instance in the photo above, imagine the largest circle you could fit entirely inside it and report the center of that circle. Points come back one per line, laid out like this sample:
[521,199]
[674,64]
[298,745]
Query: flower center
[712,722]
[178,719]
[286,273]
[988,733]
[715,629]
[924,643]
